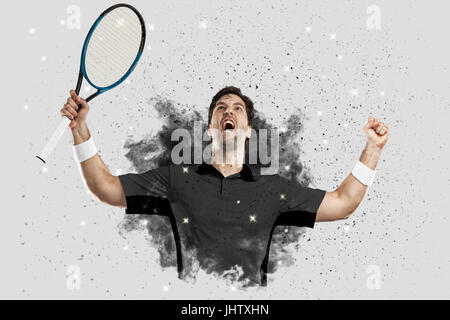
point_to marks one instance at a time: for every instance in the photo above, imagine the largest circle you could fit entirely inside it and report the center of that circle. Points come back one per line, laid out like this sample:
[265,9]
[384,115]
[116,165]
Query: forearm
[370,156]
[342,202]
[351,189]
[94,170]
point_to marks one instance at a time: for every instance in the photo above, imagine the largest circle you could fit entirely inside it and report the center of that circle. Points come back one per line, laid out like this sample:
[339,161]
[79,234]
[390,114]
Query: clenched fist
[377,133]
[73,111]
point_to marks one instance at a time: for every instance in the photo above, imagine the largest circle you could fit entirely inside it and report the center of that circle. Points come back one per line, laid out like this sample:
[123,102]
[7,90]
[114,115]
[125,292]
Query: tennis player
[223,214]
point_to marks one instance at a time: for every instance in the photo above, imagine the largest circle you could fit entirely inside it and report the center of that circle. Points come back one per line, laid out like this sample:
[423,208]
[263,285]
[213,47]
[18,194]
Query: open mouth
[228,125]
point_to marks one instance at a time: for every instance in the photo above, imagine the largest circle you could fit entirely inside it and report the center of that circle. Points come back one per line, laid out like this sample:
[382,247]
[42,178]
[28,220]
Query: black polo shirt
[220,224]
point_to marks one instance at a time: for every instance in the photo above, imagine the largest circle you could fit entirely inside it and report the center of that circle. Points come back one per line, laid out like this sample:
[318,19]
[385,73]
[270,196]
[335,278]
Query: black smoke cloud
[154,151]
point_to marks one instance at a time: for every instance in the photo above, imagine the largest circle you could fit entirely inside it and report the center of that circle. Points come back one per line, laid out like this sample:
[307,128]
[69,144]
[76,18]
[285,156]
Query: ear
[209,130]
[249,132]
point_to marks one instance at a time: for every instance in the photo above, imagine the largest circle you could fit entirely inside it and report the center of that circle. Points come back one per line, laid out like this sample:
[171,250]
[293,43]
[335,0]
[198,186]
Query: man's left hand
[377,133]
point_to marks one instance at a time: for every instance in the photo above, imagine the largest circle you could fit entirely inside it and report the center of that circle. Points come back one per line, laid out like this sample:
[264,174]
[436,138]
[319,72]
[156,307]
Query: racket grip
[54,139]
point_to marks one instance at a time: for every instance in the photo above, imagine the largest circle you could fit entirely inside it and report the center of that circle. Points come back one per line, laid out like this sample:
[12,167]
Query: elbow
[347,205]
[101,192]
[96,195]
[347,213]
[93,190]
[103,198]
[346,216]
[110,196]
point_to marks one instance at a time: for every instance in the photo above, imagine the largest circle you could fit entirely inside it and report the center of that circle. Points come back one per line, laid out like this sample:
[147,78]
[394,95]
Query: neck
[228,161]
[227,169]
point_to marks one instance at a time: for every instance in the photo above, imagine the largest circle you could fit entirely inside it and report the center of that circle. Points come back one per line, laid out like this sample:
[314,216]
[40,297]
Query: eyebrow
[237,103]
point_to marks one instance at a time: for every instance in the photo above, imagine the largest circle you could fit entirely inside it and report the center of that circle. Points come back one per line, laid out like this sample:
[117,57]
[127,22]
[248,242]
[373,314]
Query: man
[223,214]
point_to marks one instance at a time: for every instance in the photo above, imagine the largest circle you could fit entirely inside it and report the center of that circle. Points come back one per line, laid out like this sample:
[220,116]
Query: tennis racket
[110,53]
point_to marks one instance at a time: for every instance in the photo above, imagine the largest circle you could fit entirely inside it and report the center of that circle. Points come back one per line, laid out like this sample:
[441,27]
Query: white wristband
[84,150]
[364,174]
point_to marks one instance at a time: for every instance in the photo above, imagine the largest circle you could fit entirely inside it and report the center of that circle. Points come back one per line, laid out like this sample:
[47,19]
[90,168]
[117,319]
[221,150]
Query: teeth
[226,123]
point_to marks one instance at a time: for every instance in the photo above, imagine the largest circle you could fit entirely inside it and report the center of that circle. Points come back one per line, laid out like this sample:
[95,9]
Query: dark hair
[232,90]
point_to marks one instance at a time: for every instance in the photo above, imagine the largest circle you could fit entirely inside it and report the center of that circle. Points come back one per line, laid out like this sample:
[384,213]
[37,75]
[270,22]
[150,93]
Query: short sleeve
[299,204]
[148,192]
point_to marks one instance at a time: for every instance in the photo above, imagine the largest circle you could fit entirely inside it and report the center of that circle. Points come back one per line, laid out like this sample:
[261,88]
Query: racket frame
[82,72]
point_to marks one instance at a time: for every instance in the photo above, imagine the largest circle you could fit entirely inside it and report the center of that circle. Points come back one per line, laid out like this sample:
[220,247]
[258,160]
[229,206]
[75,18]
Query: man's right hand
[72,110]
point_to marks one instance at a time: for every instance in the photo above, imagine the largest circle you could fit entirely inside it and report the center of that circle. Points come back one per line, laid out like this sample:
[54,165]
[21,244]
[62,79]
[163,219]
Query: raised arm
[342,202]
[105,187]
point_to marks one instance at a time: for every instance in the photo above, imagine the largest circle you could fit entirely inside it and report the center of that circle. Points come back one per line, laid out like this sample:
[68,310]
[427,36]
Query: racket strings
[114,56]
[109,47]
[113,47]
[129,34]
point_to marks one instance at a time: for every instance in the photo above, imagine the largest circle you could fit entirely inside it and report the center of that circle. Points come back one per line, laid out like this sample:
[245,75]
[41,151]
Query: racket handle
[54,139]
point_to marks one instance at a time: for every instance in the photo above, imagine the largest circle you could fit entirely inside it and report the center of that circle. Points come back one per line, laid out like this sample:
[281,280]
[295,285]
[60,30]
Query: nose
[228,111]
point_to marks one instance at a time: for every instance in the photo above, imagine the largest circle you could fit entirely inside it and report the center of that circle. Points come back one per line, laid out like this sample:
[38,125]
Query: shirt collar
[249,172]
